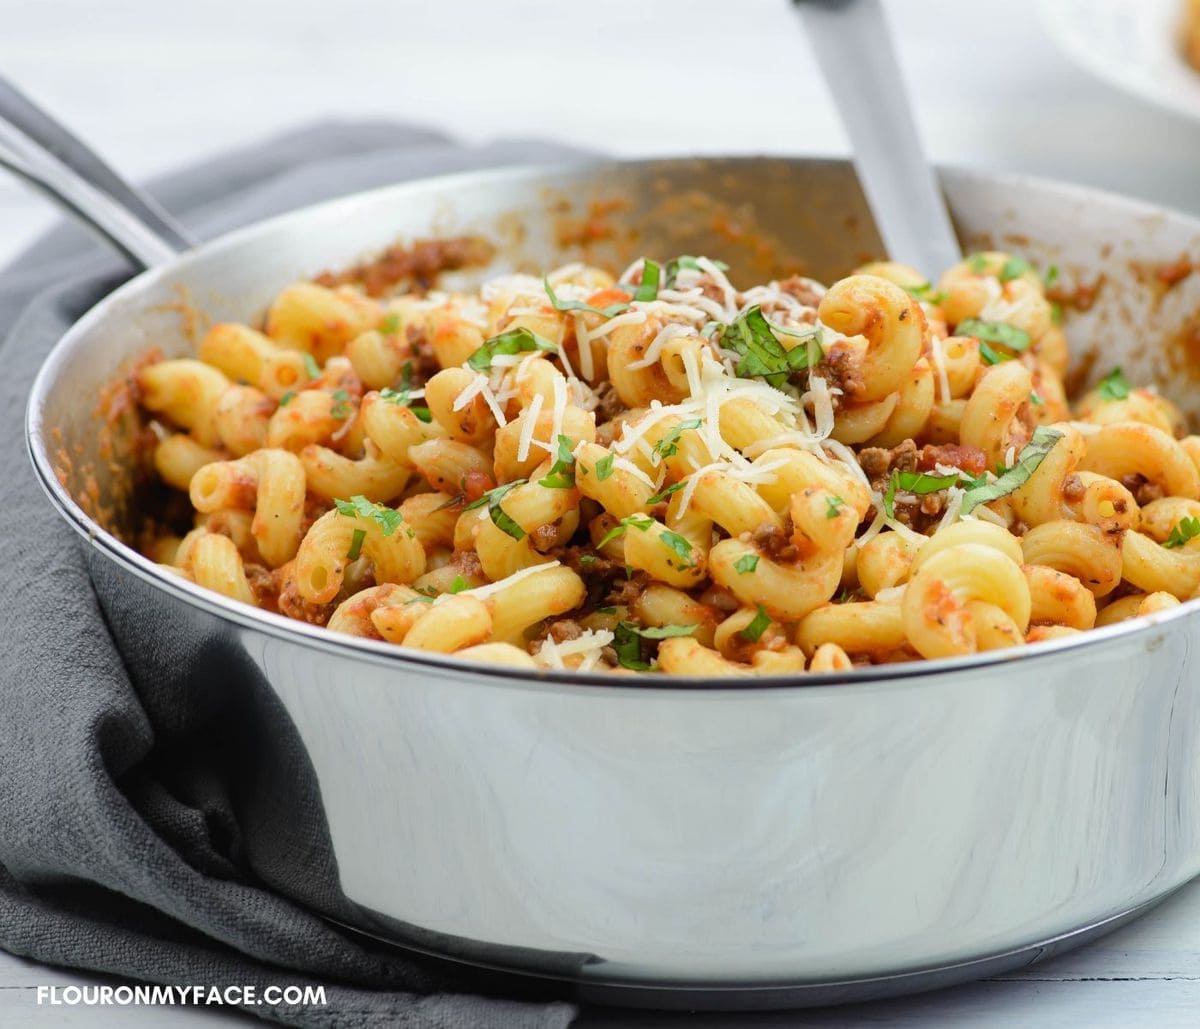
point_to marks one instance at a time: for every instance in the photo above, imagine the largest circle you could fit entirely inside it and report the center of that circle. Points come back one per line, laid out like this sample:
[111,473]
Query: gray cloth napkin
[126,847]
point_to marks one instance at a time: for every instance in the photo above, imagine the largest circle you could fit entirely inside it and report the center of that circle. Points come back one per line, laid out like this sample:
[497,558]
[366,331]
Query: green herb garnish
[638,521]
[311,366]
[753,632]
[1014,268]
[686,261]
[762,355]
[578,305]
[500,518]
[562,472]
[628,636]
[1051,276]
[402,398]
[359,506]
[458,585]
[991,356]
[648,290]
[921,483]
[287,398]
[1031,456]
[679,544]
[604,467]
[356,542]
[390,325]
[746,564]
[994,332]
[668,446]
[833,504]
[674,488]
[342,408]
[1188,528]
[514,341]
[1114,386]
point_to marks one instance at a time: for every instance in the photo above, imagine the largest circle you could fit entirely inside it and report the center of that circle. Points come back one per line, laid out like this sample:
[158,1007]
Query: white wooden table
[155,88]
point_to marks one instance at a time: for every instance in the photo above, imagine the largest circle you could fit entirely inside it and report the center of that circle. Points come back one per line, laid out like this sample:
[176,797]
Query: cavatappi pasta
[667,471]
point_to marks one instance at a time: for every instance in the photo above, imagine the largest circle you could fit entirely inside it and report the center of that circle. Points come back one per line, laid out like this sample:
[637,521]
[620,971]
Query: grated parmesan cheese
[528,425]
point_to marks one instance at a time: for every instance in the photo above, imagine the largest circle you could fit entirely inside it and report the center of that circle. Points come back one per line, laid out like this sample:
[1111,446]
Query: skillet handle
[46,154]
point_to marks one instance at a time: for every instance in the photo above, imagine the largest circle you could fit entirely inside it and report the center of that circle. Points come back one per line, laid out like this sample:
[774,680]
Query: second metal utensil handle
[45,153]
[855,52]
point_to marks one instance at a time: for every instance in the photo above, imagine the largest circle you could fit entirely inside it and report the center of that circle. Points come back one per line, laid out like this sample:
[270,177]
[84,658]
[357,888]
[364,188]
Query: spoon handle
[854,50]
[45,153]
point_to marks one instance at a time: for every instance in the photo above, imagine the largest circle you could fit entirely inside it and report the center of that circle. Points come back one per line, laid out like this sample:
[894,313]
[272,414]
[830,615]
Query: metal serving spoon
[42,151]
[854,49]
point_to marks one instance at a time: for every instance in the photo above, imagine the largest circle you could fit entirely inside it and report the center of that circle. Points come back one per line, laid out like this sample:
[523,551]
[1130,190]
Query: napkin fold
[139,830]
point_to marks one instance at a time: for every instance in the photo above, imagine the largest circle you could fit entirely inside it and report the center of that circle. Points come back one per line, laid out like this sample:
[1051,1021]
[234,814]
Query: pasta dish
[667,471]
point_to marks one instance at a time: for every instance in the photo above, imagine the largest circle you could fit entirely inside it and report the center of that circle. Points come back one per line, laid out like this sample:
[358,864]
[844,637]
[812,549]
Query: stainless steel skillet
[690,842]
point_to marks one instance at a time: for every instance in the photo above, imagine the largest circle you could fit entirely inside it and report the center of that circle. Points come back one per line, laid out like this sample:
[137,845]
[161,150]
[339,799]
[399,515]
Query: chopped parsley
[762,354]
[458,585]
[356,542]
[1009,479]
[978,263]
[833,504]
[638,521]
[753,632]
[311,366]
[604,467]
[359,506]
[994,332]
[390,325]
[925,293]
[562,472]
[628,637]
[1051,276]
[500,518]
[578,305]
[1188,528]
[668,446]
[1114,386]
[514,341]
[746,564]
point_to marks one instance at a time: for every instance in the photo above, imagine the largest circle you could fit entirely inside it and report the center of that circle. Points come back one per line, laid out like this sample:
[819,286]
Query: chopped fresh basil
[390,325]
[587,560]
[287,398]
[1188,528]
[920,483]
[994,332]
[978,263]
[991,356]
[677,543]
[1036,398]
[402,398]
[925,293]
[604,467]
[638,521]
[1114,386]
[311,366]
[762,355]
[648,290]
[1056,313]
[628,636]
[578,305]
[746,564]
[753,632]
[1031,456]
[674,488]
[671,273]
[500,518]
[833,504]
[458,585]
[1051,276]
[668,446]
[562,472]
[359,506]
[1014,268]
[514,341]
[342,408]
[356,542]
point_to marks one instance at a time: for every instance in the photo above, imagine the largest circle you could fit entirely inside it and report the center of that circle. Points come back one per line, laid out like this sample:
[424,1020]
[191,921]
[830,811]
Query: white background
[157,83]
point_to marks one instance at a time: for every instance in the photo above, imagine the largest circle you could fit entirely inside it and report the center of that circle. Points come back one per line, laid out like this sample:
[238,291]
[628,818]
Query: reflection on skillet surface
[667,470]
